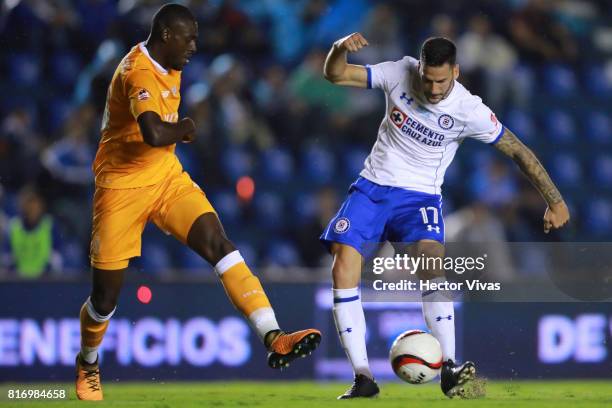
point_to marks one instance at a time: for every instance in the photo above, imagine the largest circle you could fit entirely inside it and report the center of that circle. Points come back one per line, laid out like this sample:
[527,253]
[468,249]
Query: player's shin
[351,326]
[93,327]
[246,293]
[439,314]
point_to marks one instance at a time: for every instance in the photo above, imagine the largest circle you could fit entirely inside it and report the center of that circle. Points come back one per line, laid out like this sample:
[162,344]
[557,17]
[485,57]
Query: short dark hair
[169,14]
[437,51]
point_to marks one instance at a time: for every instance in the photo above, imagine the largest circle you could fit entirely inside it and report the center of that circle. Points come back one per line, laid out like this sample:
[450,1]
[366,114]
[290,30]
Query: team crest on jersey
[174,91]
[446,121]
[342,225]
[165,94]
[494,119]
[143,95]
[398,117]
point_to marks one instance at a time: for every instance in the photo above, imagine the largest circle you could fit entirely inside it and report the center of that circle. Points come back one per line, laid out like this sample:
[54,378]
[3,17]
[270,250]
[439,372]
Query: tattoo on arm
[529,164]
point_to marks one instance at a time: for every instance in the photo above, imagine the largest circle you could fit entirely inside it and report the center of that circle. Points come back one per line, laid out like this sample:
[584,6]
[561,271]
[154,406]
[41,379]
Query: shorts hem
[413,241]
[112,265]
[328,242]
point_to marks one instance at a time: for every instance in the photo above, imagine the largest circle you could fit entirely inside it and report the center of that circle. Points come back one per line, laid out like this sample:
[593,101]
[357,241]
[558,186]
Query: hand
[188,138]
[189,127]
[352,43]
[555,216]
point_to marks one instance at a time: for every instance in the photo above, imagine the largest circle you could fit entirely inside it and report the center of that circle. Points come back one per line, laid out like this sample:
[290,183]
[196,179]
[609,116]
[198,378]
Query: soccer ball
[416,357]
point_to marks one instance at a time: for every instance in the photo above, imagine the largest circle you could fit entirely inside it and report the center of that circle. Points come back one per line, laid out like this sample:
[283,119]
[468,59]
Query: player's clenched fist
[556,216]
[352,43]
[189,126]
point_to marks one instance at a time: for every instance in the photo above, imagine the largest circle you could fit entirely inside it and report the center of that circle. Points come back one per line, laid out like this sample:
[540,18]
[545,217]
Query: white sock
[90,354]
[263,321]
[350,322]
[439,314]
[228,261]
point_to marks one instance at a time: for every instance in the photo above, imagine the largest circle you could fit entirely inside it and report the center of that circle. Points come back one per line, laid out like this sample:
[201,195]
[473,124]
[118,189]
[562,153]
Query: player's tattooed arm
[338,71]
[157,133]
[529,164]
[557,213]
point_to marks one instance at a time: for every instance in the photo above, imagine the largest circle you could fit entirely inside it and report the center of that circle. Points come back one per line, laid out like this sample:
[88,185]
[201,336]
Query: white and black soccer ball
[416,357]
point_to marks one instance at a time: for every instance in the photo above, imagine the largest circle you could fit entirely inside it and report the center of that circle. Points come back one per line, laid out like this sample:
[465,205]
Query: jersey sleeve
[141,89]
[483,125]
[386,75]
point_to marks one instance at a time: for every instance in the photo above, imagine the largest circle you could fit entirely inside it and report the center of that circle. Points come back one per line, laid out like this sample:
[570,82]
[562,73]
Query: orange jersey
[123,159]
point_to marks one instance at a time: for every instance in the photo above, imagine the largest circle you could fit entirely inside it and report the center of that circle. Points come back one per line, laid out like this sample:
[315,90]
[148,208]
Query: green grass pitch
[538,394]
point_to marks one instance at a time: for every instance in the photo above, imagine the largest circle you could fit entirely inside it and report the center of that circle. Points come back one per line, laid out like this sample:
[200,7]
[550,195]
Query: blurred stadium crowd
[268,120]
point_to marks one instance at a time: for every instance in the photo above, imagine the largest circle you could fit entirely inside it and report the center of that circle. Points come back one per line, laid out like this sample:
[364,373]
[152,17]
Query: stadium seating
[282,253]
[304,207]
[73,257]
[156,259]
[560,81]
[277,165]
[25,69]
[226,205]
[270,210]
[597,216]
[352,161]
[317,165]
[188,159]
[598,128]
[248,251]
[597,81]
[65,67]
[57,112]
[522,124]
[566,170]
[236,162]
[189,262]
[560,127]
[602,170]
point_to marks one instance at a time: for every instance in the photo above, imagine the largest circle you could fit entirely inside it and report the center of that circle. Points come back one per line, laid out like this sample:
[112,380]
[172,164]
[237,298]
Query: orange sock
[92,331]
[246,293]
[244,289]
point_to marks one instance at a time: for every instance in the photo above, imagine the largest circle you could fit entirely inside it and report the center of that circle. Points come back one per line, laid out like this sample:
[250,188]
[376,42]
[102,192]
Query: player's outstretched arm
[157,133]
[557,213]
[336,69]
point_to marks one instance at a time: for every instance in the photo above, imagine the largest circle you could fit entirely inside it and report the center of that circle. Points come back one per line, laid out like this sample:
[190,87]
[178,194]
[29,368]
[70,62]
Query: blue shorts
[373,213]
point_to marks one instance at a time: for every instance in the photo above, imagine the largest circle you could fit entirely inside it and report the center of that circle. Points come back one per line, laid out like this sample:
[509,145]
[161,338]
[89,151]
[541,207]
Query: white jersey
[417,140]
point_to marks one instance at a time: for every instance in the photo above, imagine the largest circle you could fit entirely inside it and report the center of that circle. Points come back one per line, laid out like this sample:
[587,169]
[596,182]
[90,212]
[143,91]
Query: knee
[341,266]
[213,246]
[346,269]
[207,238]
[430,250]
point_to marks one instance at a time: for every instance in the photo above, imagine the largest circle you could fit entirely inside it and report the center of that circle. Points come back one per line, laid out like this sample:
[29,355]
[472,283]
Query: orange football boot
[286,347]
[88,386]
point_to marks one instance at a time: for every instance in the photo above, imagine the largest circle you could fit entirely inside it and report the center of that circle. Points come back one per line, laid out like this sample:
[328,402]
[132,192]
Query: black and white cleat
[454,376]
[363,387]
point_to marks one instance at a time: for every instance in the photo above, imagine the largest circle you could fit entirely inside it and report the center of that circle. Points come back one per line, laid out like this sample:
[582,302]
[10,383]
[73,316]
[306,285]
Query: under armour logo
[432,228]
[406,98]
[348,330]
[439,318]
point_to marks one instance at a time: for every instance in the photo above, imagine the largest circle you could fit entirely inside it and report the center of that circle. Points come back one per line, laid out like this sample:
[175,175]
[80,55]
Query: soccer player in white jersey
[428,114]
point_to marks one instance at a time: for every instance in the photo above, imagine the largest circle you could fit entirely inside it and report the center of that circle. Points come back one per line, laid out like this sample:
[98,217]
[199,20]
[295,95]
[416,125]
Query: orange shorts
[120,216]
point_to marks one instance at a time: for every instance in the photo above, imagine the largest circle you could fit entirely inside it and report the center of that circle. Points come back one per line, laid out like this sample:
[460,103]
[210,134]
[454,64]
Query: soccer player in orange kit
[139,178]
